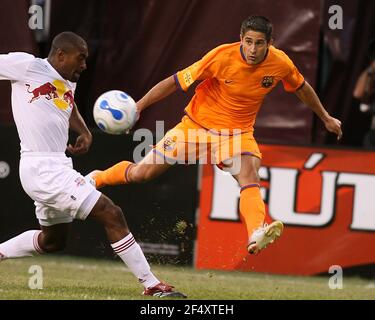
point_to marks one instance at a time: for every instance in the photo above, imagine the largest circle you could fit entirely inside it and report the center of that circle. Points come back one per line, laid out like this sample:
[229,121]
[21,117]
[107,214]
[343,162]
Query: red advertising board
[325,197]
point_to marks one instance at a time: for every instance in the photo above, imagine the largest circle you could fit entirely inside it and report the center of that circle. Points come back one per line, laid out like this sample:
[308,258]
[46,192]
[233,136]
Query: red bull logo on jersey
[57,91]
[46,90]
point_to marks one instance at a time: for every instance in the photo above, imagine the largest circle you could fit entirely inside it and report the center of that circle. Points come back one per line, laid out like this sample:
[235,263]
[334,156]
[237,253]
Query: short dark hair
[371,49]
[67,41]
[259,24]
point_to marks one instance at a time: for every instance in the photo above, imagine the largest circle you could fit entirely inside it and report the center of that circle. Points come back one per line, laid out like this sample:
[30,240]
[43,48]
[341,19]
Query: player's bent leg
[53,238]
[125,246]
[147,169]
[23,245]
[126,172]
[111,217]
[33,242]
[252,208]
[115,175]
[249,167]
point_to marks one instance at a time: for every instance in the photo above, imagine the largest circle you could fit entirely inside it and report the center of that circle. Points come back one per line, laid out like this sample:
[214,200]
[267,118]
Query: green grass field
[79,278]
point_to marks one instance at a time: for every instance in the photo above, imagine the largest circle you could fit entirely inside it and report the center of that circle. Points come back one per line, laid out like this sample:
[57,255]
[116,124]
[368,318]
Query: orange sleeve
[294,79]
[202,69]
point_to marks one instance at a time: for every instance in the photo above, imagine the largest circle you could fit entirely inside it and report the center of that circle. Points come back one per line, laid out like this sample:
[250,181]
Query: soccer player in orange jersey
[235,79]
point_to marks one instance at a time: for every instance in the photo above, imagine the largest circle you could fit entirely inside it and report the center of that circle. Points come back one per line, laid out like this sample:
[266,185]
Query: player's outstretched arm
[308,96]
[84,139]
[161,90]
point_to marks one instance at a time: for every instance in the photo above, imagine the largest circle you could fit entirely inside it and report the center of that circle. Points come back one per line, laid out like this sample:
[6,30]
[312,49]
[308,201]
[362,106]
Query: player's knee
[114,216]
[248,178]
[108,214]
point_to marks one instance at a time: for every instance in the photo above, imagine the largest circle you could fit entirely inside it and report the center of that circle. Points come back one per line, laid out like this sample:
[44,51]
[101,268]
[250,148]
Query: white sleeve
[13,66]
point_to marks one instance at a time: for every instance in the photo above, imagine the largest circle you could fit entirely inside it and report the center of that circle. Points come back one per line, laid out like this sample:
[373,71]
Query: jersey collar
[56,72]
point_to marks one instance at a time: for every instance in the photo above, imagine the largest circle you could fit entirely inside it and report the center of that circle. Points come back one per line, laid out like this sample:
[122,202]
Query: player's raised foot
[163,290]
[90,177]
[263,236]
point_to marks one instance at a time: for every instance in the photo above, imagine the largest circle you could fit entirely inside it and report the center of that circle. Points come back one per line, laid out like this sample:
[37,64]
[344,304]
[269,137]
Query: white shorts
[60,193]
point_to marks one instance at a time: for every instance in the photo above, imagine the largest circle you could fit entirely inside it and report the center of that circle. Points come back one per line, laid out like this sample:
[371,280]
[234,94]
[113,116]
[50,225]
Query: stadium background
[133,45]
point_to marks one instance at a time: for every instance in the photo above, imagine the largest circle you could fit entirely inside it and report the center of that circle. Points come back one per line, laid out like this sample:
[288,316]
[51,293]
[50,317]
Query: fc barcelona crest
[169,144]
[267,81]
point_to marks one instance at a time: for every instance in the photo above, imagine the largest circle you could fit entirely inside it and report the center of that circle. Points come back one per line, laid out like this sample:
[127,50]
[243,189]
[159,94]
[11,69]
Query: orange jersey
[233,91]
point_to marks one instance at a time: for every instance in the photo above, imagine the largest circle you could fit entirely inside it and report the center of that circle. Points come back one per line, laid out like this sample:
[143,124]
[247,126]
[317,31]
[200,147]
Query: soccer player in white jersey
[44,110]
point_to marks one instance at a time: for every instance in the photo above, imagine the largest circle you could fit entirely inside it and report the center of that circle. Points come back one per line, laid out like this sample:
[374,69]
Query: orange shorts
[190,143]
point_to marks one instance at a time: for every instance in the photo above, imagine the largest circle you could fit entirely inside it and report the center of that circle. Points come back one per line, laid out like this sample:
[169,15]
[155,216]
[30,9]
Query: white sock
[131,253]
[24,245]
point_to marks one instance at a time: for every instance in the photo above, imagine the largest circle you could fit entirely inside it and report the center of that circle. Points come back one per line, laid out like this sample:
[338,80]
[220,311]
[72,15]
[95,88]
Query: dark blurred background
[134,44]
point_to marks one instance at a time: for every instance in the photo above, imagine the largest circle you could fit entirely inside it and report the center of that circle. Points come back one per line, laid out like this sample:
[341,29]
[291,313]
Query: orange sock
[114,175]
[252,208]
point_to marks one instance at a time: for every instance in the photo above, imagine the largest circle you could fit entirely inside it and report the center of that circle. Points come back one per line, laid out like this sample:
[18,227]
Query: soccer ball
[115,112]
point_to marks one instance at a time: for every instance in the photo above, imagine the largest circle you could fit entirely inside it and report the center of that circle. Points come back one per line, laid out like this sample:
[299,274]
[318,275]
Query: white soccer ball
[115,112]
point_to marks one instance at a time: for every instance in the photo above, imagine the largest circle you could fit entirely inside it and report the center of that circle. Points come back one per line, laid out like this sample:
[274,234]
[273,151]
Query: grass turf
[82,278]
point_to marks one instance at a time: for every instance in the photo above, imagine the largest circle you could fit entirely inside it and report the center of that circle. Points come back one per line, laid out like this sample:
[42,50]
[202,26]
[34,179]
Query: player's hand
[138,114]
[139,109]
[82,144]
[334,125]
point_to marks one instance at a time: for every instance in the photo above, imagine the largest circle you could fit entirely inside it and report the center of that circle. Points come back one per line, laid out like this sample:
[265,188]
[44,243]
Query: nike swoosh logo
[228,81]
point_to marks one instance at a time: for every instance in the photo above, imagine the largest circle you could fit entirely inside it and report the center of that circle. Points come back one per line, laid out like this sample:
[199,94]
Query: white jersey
[42,102]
